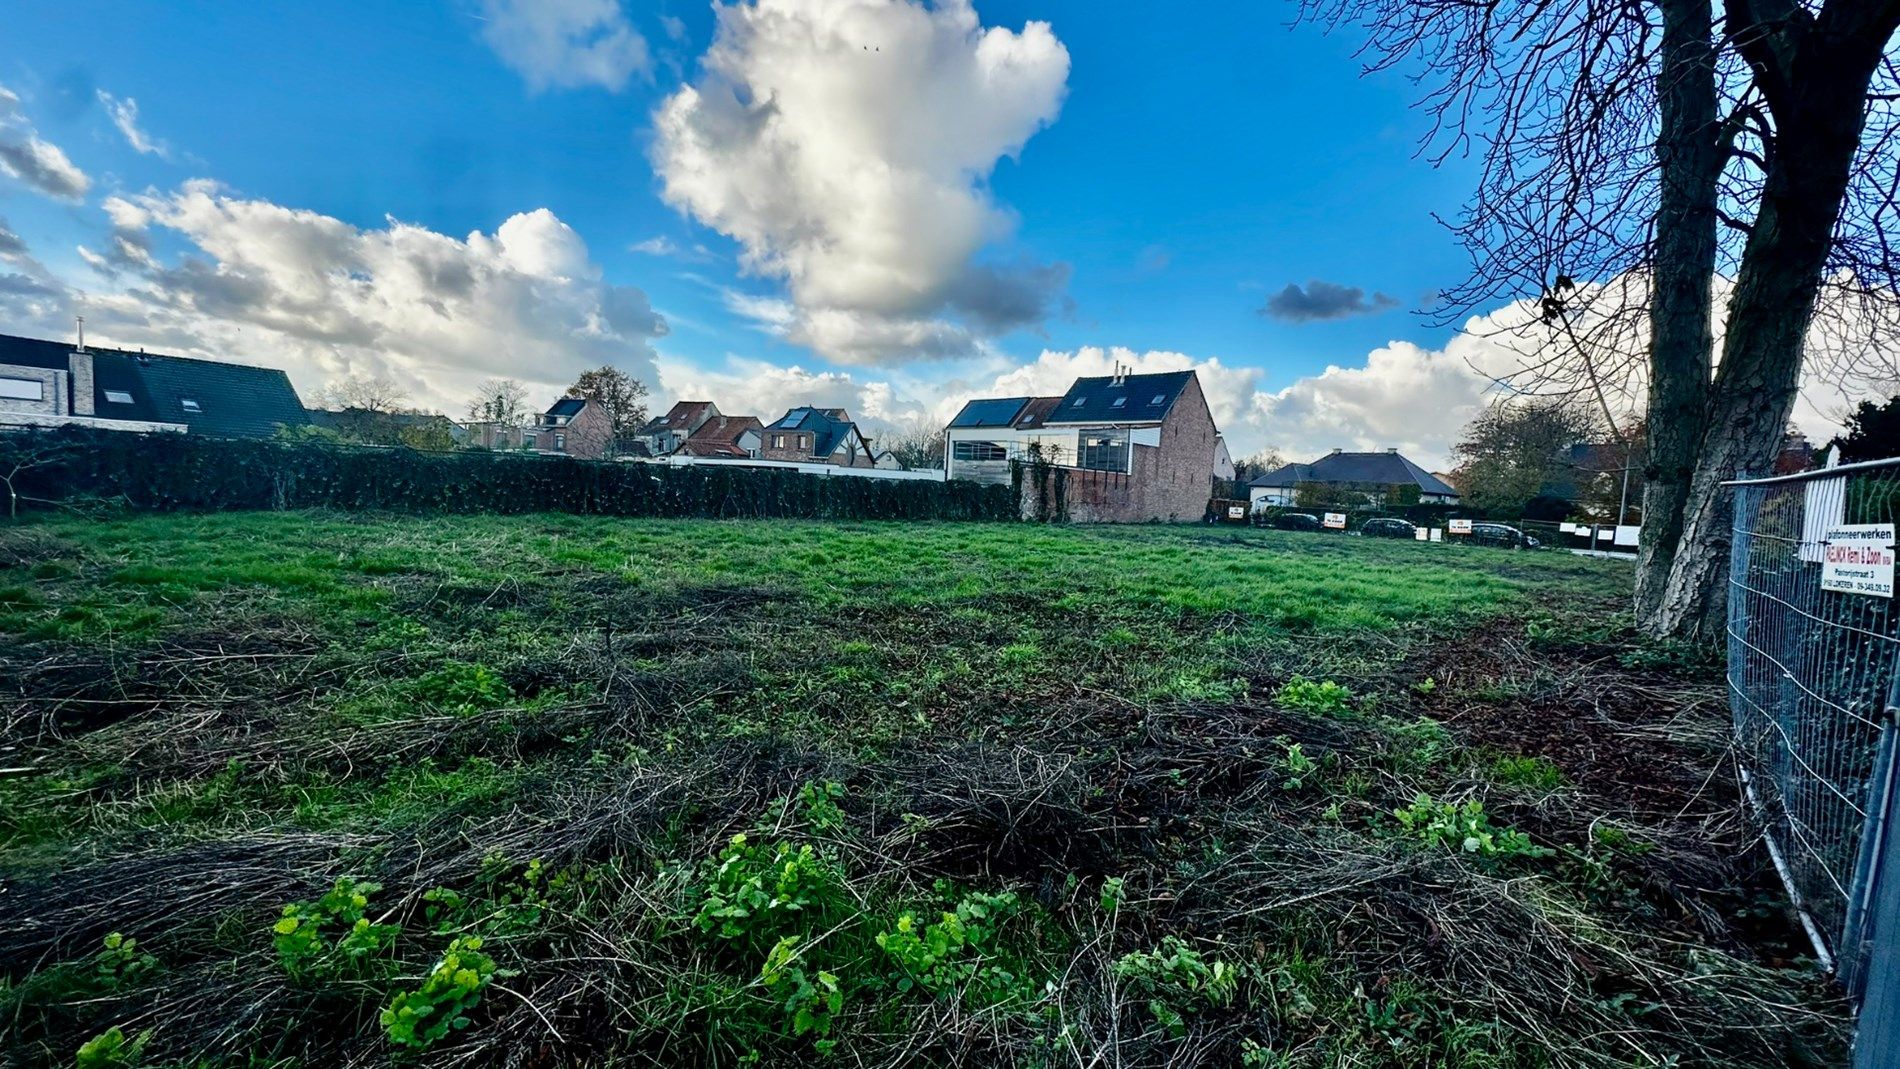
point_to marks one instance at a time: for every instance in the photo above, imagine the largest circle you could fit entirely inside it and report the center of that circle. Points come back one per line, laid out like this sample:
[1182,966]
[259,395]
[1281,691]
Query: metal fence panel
[1811,672]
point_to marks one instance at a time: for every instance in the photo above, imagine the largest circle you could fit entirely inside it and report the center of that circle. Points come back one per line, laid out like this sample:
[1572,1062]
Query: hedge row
[164,472]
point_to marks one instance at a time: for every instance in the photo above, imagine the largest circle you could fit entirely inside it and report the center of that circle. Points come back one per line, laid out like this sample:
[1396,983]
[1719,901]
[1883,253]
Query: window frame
[38,385]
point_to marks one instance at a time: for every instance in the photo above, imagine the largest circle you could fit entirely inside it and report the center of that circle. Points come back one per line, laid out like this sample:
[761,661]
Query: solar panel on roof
[989,412]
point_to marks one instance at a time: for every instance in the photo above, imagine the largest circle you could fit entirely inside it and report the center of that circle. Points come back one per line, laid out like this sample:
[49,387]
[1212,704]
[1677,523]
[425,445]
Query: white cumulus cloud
[323,299]
[847,145]
[566,44]
[37,163]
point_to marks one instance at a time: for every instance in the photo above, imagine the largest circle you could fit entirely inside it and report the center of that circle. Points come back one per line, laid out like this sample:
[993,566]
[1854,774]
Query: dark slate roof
[1383,468]
[234,400]
[1036,412]
[1131,399]
[829,426]
[566,406]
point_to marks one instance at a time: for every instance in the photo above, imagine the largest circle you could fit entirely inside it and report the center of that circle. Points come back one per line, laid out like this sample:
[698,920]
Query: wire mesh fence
[1813,653]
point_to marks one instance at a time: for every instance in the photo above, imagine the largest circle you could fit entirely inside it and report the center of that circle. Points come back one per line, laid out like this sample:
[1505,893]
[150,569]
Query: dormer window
[190,404]
[118,397]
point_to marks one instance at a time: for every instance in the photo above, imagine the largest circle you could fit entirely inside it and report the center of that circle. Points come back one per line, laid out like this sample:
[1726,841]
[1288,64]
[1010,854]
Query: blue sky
[1154,179]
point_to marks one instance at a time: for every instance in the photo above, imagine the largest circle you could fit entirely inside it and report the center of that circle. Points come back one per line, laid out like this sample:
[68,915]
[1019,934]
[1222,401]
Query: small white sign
[1421,534]
[1336,521]
[1438,534]
[1858,559]
[1236,512]
[1459,527]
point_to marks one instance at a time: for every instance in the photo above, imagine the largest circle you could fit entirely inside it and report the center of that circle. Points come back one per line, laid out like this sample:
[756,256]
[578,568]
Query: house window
[1120,402]
[1104,452]
[527,441]
[189,404]
[23,389]
[118,397]
[778,441]
[560,441]
[978,451]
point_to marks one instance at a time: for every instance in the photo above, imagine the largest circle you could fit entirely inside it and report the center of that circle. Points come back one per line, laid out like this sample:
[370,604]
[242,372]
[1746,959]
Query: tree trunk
[1819,119]
[1689,159]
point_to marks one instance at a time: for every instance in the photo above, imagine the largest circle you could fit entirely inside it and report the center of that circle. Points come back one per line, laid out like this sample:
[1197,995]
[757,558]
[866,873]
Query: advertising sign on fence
[1336,521]
[1421,534]
[1859,559]
[1458,527]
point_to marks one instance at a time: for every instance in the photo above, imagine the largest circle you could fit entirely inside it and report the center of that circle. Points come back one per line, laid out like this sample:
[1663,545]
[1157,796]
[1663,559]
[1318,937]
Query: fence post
[1875,965]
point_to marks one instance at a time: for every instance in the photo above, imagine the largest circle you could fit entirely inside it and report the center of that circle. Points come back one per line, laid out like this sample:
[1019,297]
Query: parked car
[1389,527]
[1503,535]
[1295,521]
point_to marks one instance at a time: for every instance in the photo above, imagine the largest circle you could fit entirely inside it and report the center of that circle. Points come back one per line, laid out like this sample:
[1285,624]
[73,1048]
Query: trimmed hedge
[166,472]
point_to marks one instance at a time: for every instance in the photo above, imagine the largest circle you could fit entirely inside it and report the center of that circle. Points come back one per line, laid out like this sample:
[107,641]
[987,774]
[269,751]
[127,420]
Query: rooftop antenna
[81,320]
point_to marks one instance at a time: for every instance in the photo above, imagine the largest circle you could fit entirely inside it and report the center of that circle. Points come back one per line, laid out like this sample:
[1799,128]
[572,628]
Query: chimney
[1392,449]
[81,362]
[1337,450]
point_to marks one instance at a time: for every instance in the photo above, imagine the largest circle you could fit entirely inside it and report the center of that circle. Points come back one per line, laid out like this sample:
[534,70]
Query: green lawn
[579,790]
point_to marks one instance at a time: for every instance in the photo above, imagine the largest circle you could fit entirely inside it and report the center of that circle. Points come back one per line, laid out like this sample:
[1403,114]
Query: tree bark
[1816,73]
[1689,159]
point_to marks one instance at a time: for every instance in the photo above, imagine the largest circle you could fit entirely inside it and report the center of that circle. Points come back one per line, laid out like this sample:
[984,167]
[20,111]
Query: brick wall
[589,433]
[1170,482]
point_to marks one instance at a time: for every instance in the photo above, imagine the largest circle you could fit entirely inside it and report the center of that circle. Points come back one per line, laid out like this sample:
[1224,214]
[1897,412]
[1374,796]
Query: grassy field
[316,789]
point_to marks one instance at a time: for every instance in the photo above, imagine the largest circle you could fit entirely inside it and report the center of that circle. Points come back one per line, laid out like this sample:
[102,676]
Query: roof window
[189,404]
[1158,399]
[1078,402]
[118,397]
[1119,402]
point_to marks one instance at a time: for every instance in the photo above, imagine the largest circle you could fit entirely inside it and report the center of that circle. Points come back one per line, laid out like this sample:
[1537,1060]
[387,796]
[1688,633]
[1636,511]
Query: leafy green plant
[1296,766]
[1114,890]
[1463,827]
[122,963]
[1177,981]
[754,892]
[111,1050]
[811,998]
[305,943]
[1321,697]
[420,1018]
[822,811]
[958,952]
[462,688]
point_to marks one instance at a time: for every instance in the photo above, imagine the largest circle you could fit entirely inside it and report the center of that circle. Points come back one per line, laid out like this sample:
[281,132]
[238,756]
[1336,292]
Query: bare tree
[1649,143]
[370,393]
[917,442]
[500,401]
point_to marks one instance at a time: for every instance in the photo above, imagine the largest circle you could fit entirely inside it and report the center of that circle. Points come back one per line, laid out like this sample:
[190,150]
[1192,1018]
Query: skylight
[118,397]
[189,404]
[1078,402]
[1159,398]
[1119,402]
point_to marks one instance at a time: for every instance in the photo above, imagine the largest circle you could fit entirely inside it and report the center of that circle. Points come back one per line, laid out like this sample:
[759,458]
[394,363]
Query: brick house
[664,435]
[1124,448]
[817,436]
[574,427]
[729,437]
